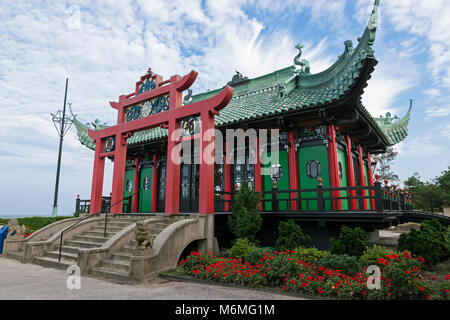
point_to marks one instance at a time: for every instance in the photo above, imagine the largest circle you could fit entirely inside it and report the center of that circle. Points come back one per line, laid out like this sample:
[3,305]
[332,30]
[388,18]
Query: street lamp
[276,173]
[60,121]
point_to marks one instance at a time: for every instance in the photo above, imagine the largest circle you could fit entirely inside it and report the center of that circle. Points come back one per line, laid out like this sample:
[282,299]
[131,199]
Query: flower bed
[400,277]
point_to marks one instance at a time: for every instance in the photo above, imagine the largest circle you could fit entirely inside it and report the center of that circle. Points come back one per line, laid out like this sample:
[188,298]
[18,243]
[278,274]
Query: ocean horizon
[24,215]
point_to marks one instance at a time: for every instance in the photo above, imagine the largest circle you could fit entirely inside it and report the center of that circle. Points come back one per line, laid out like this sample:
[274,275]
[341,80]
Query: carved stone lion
[13,227]
[142,237]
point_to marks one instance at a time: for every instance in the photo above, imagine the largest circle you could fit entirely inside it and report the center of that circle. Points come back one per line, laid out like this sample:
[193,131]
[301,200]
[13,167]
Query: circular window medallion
[146,108]
[146,183]
[189,126]
[110,143]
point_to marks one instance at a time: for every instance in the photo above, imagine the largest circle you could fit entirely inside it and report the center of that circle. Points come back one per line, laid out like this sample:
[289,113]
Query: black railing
[105,208]
[344,199]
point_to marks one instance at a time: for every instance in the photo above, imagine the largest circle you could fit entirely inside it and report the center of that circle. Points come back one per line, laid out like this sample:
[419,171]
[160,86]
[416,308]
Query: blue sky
[103,47]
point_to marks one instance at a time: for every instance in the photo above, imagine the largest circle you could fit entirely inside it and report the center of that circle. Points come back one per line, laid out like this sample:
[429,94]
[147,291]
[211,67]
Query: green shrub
[430,242]
[255,256]
[35,223]
[444,289]
[245,221]
[351,241]
[344,263]
[310,255]
[371,255]
[290,236]
[241,248]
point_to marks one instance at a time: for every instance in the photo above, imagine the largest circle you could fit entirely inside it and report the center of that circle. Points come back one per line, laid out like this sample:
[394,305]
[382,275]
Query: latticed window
[313,168]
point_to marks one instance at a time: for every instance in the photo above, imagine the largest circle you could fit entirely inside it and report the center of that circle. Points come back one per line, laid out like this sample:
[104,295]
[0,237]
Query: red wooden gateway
[161,103]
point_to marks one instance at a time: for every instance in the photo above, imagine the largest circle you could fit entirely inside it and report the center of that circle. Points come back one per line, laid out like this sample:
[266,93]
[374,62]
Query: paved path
[20,281]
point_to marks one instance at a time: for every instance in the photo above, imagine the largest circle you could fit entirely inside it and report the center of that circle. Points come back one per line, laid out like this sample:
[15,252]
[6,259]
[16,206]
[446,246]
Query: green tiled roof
[289,90]
[396,131]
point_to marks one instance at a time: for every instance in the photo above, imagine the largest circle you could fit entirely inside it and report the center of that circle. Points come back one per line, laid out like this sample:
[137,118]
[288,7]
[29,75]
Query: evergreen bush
[430,241]
[255,256]
[352,241]
[241,248]
[290,236]
[371,255]
[310,255]
[245,221]
[343,262]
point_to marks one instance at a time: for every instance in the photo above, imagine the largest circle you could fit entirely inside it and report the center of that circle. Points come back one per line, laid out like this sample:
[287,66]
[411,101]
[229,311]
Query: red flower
[283,288]
[293,281]
[421,288]
[447,277]
[320,290]
[421,259]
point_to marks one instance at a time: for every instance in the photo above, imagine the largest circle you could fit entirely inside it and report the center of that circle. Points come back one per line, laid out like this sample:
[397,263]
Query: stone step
[116,265]
[114,224]
[89,238]
[53,263]
[113,230]
[122,256]
[16,255]
[120,276]
[128,249]
[98,233]
[72,257]
[69,249]
[82,244]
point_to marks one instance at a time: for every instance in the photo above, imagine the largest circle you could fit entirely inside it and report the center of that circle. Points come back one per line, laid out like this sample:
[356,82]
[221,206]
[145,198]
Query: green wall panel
[145,196]
[304,155]
[343,179]
[283,184]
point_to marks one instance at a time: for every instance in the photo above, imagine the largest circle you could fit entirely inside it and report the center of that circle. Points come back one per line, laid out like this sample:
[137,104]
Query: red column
[206,192]
[370,177]
[227,173]
[136,190]
[333,164]
[173,173]
[350,171]
[293,167]
[97,178]
[361,174]
[120,157]
[258,177]
[155,183]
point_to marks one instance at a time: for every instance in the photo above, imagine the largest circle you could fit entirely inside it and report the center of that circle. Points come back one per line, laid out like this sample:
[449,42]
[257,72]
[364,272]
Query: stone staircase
[94,237]
[117,266]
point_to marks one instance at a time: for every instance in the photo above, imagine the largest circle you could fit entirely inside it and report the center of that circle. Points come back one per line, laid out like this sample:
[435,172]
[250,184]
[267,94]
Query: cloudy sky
[104,46]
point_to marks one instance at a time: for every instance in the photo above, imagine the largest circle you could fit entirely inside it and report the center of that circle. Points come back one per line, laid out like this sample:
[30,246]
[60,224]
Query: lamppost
[60,121]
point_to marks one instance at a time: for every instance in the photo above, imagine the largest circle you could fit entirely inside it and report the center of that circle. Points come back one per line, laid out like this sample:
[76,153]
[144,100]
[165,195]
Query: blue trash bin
[3,234]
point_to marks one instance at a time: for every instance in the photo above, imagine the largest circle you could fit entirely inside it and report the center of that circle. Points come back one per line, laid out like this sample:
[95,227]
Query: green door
[342,165]
[128,187]
[283,184]
[145,189]
[312,164]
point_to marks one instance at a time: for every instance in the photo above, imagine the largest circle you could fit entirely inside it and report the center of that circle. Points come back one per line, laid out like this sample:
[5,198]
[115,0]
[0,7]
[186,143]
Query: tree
[245,221]
[383,164]
[443,183]
[426,195]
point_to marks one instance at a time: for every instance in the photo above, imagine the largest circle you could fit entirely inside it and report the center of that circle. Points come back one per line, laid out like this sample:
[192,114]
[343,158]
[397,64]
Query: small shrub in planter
[430,242]
[241,248]
[310,255]
[290,235]
[352,241]
[342,262]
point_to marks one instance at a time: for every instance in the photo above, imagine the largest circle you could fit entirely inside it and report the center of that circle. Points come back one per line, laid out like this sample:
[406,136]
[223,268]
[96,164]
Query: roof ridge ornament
[238,78]
[303,65]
